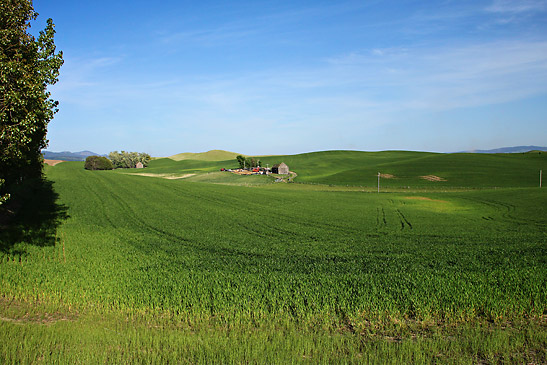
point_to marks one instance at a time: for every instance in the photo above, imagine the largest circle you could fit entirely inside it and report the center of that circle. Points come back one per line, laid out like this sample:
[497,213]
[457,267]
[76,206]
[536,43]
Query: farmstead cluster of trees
[127,160]
[27,66]
[245,162]
[117,160]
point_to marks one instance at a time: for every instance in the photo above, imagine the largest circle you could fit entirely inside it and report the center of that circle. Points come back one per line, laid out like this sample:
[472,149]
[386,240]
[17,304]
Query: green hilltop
[399,169]
[213,155]
[404,168]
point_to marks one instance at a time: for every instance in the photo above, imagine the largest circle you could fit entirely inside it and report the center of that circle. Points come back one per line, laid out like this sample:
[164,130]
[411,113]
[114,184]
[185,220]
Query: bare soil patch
[242,172]
[164,176]
[432,178]
[424,198]
[52,162]
[387,176]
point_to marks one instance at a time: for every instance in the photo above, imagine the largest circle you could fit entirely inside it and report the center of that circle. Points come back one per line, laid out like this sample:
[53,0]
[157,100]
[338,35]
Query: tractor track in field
[381,217]
[163,234]
[98,200]
[242,205]
[245,206]
[130,212]
[381,220]
[130,217]
[507,213]
[403,220]
[254,209]
[134,219]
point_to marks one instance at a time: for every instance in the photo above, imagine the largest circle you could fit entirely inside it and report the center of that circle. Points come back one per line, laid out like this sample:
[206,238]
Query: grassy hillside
[459,170]
[399,169]
[213,155]
[153,270]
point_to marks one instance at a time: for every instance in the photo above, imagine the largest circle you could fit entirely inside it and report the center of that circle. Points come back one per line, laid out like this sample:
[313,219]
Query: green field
[105,266]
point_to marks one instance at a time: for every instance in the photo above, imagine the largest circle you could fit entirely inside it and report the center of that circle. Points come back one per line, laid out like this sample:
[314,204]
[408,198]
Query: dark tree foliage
[241,161]
[27,66]
[98,163]
[247,162]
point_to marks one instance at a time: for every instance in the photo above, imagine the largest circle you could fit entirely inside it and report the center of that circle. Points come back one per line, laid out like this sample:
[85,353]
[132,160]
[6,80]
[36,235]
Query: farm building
[139,165]
[280,168]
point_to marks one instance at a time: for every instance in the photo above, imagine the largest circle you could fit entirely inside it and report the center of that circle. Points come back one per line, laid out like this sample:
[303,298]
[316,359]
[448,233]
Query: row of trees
[245,162]
[127,160]
[27,67]
[117,160]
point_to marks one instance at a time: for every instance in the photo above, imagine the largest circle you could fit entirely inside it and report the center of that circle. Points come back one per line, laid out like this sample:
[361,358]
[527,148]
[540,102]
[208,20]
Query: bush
[98,163]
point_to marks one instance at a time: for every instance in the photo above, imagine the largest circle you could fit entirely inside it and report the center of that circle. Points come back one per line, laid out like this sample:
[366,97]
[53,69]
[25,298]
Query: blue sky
[283,77]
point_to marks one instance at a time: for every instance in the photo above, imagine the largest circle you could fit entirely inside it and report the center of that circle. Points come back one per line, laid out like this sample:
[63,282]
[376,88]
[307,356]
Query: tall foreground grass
[350,269]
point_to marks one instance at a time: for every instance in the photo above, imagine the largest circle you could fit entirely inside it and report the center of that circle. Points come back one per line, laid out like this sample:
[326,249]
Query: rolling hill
[399,169]
[213,155]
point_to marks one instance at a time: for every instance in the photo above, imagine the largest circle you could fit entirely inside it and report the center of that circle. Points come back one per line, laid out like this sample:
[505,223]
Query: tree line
[117,160]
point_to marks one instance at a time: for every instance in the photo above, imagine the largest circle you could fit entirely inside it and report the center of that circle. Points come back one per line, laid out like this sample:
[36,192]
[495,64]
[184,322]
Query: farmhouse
[139,165]
[280,168]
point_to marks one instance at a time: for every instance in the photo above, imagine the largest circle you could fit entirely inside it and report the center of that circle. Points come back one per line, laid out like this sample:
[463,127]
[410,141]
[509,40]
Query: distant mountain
[517,149]
[69,156]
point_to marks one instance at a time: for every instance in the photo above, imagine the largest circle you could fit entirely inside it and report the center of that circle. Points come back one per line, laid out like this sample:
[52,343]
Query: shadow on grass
[31,216]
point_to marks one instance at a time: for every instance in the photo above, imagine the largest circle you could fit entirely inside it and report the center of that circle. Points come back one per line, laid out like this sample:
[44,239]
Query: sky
[286,77]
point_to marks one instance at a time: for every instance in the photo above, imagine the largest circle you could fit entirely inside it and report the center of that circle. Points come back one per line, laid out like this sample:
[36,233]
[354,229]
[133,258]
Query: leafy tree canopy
[27,66]
[128,160]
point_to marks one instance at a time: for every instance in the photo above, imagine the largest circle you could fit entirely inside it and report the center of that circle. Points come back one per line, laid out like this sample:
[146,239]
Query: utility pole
[540,173]
[378,182]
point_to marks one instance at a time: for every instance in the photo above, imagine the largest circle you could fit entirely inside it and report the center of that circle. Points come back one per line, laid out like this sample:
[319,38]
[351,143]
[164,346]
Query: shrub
[98,163]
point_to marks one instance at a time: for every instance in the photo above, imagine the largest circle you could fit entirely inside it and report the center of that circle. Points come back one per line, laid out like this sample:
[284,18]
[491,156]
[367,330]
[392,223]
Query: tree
[144,158]
[98,163]
[27,66]
[241,161]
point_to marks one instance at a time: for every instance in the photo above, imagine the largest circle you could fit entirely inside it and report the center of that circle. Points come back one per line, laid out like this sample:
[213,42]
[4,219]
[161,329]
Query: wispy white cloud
[455,77]
[375,82]
[517,6]
[271,19]
[343,95]
[515,11]
[78,77]
[210,36]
